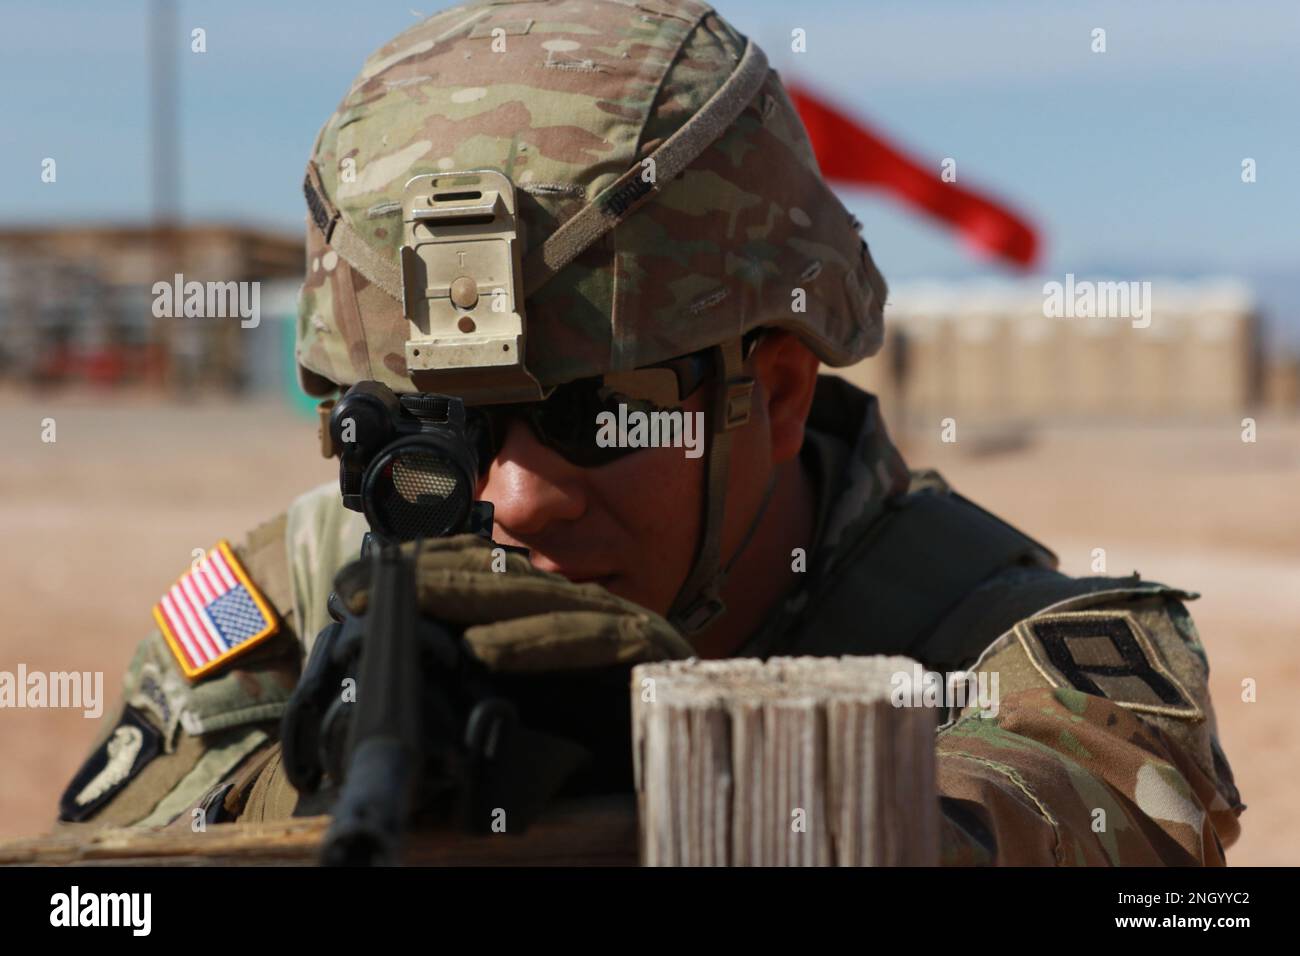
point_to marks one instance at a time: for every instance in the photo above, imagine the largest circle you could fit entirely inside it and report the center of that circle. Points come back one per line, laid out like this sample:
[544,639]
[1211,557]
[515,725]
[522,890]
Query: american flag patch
[213,613]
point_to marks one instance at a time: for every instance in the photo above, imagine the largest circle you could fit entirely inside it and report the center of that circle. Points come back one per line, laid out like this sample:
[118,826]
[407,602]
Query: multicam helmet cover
[569,101]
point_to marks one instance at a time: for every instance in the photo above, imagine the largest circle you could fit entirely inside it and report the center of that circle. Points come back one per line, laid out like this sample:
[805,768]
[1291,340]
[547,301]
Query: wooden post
[790,762]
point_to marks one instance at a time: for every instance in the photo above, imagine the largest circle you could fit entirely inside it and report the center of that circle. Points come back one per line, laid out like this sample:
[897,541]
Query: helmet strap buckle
[737,402]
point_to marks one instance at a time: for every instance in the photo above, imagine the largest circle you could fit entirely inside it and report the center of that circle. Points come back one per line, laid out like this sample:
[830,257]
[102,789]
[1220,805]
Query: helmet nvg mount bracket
[462,287]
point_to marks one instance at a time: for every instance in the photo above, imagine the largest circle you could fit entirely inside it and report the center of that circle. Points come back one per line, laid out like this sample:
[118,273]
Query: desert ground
[97,523]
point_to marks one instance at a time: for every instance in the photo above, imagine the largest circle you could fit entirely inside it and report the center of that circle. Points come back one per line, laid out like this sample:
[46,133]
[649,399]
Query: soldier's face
[629,525]
[632,525]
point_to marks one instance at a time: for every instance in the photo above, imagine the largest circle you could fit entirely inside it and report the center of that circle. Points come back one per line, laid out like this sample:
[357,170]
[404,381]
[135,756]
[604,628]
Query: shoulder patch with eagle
[132,744]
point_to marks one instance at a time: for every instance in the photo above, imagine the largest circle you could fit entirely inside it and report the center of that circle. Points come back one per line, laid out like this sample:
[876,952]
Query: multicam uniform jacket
[1102,747]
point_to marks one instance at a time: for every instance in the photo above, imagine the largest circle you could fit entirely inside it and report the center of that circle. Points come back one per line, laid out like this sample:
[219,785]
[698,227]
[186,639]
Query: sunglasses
[568,420]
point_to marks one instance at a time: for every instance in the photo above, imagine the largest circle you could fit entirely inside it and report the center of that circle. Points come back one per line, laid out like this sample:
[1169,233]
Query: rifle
[425,731]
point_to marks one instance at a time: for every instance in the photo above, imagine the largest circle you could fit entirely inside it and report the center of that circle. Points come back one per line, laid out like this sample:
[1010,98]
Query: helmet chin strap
[699,602]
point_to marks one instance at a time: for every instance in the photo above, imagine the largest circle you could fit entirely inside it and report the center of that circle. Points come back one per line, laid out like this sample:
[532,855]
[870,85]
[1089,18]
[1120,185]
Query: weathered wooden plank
[595,832]
[793,761]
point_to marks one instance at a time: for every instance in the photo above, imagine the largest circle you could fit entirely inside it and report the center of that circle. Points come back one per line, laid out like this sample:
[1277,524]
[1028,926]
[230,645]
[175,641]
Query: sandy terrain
[97,523]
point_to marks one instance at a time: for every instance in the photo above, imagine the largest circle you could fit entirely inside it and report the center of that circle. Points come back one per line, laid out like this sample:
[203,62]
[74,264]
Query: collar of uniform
[854,468]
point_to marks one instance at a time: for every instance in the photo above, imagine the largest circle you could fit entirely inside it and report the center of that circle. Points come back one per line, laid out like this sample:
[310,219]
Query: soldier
[640,223]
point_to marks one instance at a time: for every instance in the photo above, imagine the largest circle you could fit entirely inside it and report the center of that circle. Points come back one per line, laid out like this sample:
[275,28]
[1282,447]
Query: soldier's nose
[532,487]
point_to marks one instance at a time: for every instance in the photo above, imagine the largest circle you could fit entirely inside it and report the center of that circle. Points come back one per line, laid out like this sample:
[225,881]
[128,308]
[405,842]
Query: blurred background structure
[76,307]
[986,348]
[153,137]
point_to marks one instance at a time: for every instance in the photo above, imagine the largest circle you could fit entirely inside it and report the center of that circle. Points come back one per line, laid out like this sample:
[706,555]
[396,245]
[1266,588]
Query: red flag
[848,152]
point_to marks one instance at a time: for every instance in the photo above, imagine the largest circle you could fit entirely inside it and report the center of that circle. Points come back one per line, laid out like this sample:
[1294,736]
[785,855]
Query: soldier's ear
[786,372]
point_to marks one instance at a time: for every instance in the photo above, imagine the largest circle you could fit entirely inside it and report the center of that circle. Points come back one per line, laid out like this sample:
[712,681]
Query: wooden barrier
[794,762]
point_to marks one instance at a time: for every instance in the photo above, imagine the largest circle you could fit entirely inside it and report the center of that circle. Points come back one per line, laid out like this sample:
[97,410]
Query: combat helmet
[517,195]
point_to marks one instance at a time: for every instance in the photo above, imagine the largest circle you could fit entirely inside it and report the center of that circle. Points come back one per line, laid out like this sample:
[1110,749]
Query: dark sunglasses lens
[566,422]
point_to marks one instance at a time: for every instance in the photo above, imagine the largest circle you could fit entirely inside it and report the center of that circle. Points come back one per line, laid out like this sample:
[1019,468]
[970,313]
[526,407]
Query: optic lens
[415,492]
[424,480]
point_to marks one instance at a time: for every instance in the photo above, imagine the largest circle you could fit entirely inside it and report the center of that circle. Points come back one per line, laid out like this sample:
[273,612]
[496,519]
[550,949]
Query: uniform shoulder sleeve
[204,691]
[1099,745]
[321,536]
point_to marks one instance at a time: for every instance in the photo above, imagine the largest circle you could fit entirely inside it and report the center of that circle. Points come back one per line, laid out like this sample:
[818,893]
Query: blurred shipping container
[991,353]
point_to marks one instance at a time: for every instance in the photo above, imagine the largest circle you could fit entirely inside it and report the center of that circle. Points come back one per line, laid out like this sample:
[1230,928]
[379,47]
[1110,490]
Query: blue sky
[1129,160]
